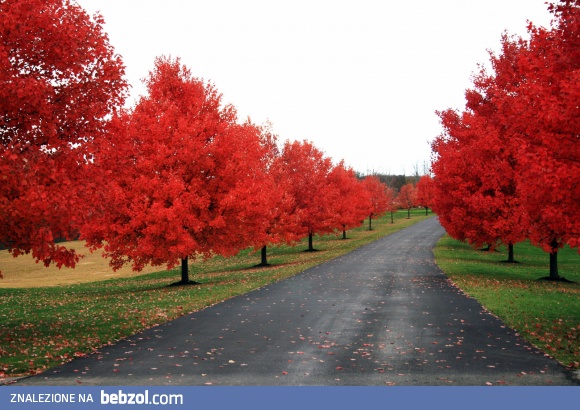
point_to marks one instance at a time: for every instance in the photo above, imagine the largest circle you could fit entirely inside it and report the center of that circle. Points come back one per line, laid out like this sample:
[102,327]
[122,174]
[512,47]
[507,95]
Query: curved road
[381,315]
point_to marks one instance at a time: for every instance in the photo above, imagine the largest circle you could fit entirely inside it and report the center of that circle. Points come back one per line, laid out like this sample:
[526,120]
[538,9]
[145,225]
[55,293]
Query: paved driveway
[381,315]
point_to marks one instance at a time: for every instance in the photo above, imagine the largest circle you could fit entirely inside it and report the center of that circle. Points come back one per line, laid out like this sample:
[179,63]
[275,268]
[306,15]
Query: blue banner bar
[279,398]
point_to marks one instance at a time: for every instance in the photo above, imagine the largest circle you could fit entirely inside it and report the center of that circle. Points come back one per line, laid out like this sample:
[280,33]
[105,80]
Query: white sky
[360,79]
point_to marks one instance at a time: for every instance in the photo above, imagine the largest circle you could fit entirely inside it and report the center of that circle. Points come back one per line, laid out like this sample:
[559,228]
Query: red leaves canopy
[407,197]
[186,179]
[475,186]
[59,82]
[351,199]
[512,159]
[282,224]
[378,200]
[549,128]
[302,171]
[425,191]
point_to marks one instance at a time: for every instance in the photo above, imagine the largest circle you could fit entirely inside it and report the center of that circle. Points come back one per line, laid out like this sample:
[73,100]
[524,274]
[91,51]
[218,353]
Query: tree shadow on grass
[556,279]
[260,266]
[188,283]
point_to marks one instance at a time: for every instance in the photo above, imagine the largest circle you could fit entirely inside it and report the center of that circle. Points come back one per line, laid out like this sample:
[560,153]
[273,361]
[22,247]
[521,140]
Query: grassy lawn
[41,327]
[547,314]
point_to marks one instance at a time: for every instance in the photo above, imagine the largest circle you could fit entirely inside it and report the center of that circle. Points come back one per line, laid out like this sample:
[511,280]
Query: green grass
[44,327]
[547,314]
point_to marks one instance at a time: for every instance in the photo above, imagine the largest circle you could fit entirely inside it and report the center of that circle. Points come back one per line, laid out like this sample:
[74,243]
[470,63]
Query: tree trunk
[408,213]
[310,247]
[264,256]
[370,223]
[511,253]
[343,232]
[554,261]
[426,210]
[392,217]
[184,271]
[554,275]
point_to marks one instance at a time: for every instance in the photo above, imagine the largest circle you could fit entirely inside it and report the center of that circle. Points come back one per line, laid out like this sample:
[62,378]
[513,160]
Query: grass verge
[546,314]
[42,327]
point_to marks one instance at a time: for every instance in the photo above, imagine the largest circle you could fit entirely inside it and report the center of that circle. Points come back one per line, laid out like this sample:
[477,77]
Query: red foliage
[508,167]
[392,202]
[302,171]
[351,198]
[378,202]
[475,187]
[425,191]
[282,224]
[184,179]
[407,197]
[60,83]
[535,89]
[549,129]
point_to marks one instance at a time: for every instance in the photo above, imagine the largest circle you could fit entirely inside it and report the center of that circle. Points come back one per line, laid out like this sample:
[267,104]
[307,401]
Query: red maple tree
[282,224]
[535,88]
[449,187]
[392,202]
[378,200]
[351,198]
[302,171]
[475,186]
[548,129]
[518,142]
[60,82]
[407,198]
[425,192]
[184,178]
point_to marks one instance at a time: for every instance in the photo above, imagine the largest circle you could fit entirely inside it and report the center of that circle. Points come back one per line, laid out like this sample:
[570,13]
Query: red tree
[521,126]
[378,200]
[449,200]
[392,202]
[407,198]
[185,180]
[351,198]
[282,223]
[425,192]
[60,82]
[548,129]
[302,172]
[475,183]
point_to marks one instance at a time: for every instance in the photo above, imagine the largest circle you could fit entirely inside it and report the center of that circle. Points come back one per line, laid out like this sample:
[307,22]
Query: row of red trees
[174,177]
[507,168]
[184,178]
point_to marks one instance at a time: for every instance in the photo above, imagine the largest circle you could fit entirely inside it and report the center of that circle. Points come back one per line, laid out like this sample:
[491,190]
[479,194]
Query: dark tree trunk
[392,217]
[310,247]
[343,232]
[408,213]
[554,261]
[184,275]
[370,223]
[184,271]
[554,275]
[264,256]
[511,253]
[426,210]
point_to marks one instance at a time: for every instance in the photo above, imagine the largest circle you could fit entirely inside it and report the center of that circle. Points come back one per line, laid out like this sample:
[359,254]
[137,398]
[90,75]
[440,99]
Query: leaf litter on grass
[547,314]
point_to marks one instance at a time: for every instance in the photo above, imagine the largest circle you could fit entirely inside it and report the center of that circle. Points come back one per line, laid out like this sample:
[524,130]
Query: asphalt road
[381,315]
